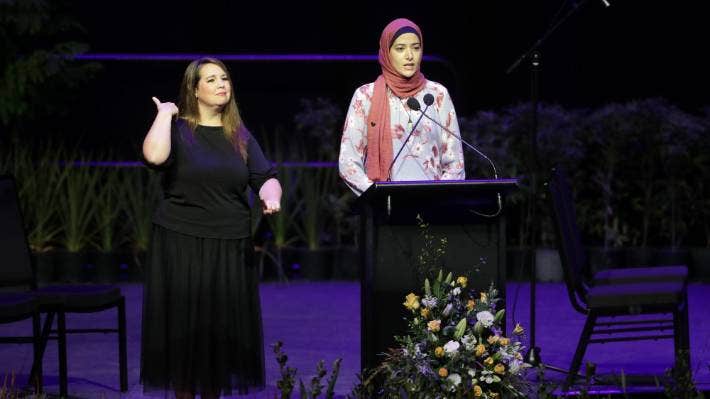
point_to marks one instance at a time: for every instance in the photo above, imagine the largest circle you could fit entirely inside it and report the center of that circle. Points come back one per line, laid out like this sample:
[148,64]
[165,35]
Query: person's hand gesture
[269,207]
[168,107]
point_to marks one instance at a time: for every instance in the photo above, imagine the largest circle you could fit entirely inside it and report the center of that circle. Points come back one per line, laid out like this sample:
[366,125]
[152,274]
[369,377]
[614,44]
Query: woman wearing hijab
[379,120]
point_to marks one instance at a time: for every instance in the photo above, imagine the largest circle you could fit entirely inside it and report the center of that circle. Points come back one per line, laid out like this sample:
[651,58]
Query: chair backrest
[15,260]
[572,254]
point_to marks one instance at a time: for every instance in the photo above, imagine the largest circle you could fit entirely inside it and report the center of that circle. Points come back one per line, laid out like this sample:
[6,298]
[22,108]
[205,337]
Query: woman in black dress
[202,330]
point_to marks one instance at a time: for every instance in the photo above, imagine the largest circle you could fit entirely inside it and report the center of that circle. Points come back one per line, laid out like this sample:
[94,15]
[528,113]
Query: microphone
[414,105]
[428,100]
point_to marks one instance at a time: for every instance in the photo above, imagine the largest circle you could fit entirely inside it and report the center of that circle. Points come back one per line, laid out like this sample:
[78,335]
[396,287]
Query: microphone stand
[534,57]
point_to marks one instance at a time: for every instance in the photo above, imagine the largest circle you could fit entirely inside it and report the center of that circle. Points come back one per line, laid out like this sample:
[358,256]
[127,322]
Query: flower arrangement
[455,347]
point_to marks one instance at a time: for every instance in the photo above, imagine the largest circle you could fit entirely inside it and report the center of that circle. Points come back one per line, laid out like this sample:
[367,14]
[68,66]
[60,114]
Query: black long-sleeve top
[204,183]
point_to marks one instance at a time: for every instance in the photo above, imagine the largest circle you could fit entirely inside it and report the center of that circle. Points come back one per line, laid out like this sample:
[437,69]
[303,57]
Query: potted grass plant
[278,245]
[40,179]
[346,259]
[140,190]
[109,206]
[76,212]
[316,185]
[318,124]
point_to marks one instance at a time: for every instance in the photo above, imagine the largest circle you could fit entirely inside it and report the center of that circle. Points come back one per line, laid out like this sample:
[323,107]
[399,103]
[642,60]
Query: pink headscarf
[379,134]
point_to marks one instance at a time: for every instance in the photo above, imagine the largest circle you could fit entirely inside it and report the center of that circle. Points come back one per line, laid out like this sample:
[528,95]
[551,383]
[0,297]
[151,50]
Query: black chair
[630,294]
[17,306]
[58,299]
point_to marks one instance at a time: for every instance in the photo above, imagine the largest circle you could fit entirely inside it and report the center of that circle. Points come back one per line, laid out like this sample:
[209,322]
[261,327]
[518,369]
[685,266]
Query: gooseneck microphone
[414,105]
[428,100]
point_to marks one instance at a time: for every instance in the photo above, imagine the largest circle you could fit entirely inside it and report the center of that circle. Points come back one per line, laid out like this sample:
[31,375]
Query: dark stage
[321,320]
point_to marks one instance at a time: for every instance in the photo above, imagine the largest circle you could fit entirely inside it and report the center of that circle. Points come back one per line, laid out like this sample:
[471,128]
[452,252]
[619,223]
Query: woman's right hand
[156,145]
[168,107]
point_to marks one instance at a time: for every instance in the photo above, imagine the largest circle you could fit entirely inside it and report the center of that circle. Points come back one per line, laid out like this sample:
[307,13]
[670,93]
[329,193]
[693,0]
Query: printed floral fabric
[431,153]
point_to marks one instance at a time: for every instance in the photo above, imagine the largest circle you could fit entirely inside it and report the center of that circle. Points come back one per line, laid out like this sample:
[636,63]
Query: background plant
[454,346]
[109,207]
[77,204]
[286,382]
[37,64]
[141,192]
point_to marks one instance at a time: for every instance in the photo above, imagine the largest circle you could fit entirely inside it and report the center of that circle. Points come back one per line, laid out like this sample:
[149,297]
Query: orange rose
[493,339]
[443,372]
[470,304]
[439,351]
[499,369]
[488,361]
[504,341]
[434,325]
[480,350]
[477,391]
[425,312]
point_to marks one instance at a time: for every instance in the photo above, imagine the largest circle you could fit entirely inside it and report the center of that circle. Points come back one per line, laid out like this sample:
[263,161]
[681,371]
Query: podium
[391,242]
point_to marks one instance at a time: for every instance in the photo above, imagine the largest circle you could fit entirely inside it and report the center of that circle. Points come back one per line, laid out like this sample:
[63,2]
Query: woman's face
[406,54]
[213,88]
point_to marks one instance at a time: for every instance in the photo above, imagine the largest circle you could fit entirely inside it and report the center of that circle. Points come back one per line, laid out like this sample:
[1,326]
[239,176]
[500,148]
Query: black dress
[202,329]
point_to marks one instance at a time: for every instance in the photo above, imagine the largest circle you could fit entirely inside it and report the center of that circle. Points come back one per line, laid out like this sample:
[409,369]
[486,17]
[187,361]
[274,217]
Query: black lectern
[391,242]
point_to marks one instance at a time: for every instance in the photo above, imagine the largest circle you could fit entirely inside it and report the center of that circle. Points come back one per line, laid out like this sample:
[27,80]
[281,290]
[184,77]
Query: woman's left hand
[270,206]
[270,195]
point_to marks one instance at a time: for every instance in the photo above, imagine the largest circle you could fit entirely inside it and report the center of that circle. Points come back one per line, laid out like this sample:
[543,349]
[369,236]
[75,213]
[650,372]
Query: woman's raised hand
[167,107]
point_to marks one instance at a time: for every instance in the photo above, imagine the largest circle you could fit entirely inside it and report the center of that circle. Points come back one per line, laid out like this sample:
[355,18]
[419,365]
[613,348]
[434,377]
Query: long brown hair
[232,123]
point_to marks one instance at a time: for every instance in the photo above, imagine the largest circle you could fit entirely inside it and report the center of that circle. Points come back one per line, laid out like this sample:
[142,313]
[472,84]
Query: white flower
[514,366]
[469,342]
[454,379]
[451,348]
[456,291]
[429,302]
[485,317]
[488,376]
[447,310]
[472,372]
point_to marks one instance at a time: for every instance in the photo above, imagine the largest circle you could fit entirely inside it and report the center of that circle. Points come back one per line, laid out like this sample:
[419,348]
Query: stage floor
[321,320]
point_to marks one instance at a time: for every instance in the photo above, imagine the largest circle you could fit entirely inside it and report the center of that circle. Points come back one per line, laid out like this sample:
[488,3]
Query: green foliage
[453,347]
[37,63]
[635,169]
[141,192]
[315,185]
[8,389]
[429,259]
[319,123]
[40,178]
[109,207]
[286,382]
[680,384]
[77,207]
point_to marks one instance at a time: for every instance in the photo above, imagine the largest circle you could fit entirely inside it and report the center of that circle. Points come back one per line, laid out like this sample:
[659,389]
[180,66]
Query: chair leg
[36,373]
[44,333]
[581,349]
[681,337]
[62,348]
[122,351]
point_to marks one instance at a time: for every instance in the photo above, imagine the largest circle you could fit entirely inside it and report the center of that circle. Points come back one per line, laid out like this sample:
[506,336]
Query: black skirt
[202,329]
